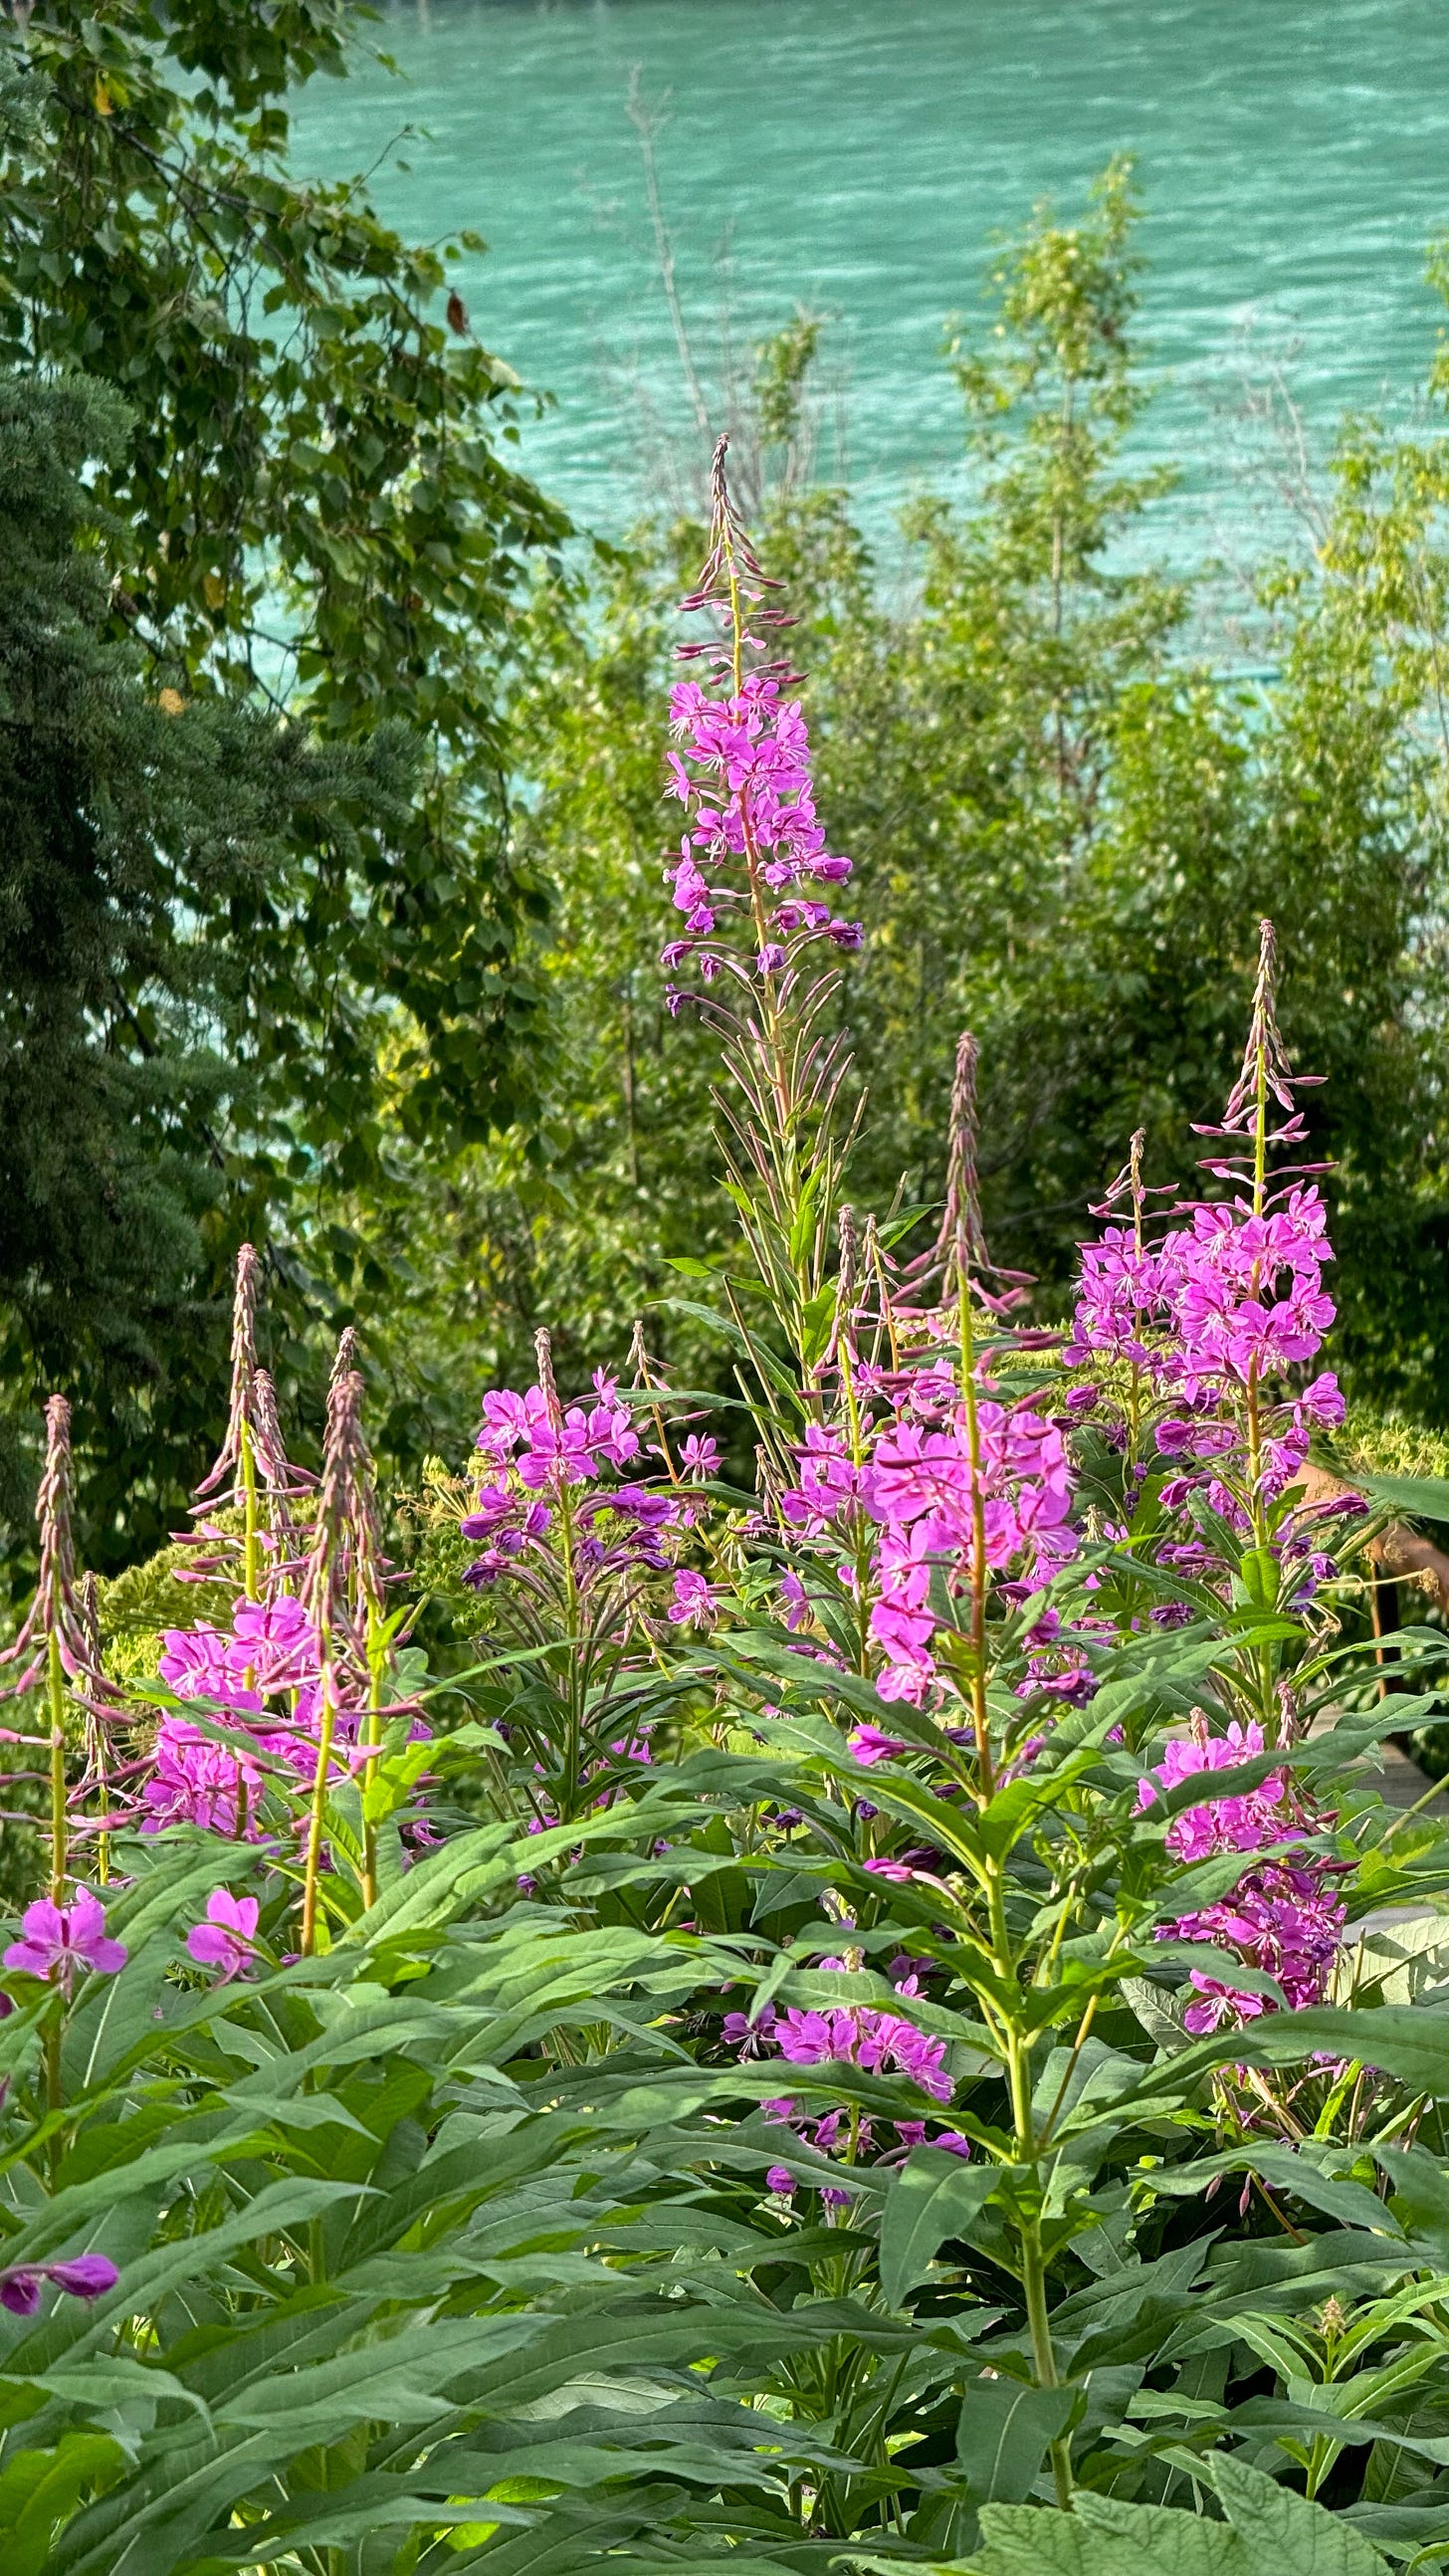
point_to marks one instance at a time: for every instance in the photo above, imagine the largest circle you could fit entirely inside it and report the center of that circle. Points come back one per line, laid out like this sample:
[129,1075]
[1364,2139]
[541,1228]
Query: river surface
[855,157]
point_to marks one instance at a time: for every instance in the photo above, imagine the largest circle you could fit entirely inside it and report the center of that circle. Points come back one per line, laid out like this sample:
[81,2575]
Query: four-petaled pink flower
[699,1455]
[694,1604]
[58,1939]
[227,1938]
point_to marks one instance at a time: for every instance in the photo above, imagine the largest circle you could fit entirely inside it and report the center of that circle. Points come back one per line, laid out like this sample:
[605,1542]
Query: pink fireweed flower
[742,773]
[59,1939]
[859,2035]
[274,1640]
[694,1604]
[870,1745]
[197,1781]
[746,2034]
[796,1601]
[227,1939]
[920,1488]
[1322,1399]
[194,1662]
[1222,1824]
[828,1482]
[85,2276]
[699,1455]
[536,1447]
[273,1646]
[1227,1299]
[1284,1920]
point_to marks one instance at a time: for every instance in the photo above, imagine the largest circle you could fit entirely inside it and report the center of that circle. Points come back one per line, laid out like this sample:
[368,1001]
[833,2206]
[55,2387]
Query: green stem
[253,1551]
[53,2097]
[319,1804]
[1262,1657]
[372,1742]
[980,1718]
[1028,2153]
[1033,2276]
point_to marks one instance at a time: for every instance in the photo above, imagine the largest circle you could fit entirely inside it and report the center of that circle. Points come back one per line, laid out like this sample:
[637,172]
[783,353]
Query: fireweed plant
[874,2020]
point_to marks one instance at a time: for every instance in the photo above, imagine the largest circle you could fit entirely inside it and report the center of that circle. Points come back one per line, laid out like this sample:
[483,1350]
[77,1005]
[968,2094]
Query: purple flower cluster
[918,1487]
[1283,1918]
[550,1445]
[1214,1310]
[197,1780]
[545,1476]
[753,847]
[847,2035]
[1057,1662]
[1240,1824]
[272,1653]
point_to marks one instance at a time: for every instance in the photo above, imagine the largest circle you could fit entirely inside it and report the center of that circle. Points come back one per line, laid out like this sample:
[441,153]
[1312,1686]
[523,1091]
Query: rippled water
[856,156]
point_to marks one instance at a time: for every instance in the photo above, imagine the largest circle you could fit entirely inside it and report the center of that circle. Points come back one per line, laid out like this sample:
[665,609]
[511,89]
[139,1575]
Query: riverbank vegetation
[865,2018]
[785,1952]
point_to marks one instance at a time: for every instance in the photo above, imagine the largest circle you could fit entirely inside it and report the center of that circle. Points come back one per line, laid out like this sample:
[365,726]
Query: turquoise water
[855,156]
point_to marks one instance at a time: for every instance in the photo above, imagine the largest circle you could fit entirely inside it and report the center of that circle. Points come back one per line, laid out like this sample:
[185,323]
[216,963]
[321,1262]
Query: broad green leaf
[1426,1497]
[1105,2539]
[937,2196]
[398,2381]
[1004,2432]
[1282,2531]
[1271,2532]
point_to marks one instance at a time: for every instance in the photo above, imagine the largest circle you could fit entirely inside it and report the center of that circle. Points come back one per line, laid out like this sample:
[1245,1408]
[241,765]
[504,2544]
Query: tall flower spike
[282,1478]
[97,1766]
[332,1584]
[251,1460]
[960,1256]
[344,1537]
[753,877]
[732,572]
[54,1642]
[241,1412]
[543,1348]
[1265,1070]
[58,1610]
[847,1290]
[1128,1185]
[961,1240]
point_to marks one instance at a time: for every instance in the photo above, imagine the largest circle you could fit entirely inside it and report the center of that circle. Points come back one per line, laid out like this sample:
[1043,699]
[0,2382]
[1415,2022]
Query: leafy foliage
[301,513]
[834,2034]
[1064,822]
